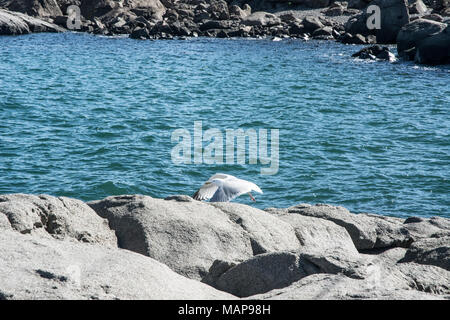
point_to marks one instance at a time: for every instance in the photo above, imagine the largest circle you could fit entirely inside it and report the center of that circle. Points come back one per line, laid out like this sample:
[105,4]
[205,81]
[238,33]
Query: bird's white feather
[224,187]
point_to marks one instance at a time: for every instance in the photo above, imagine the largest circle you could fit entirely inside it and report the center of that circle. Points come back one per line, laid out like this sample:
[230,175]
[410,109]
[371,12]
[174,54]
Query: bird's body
[224,187]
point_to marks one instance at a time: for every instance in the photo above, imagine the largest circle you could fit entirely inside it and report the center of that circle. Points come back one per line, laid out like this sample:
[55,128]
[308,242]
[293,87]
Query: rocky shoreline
[139,247]
[424,24]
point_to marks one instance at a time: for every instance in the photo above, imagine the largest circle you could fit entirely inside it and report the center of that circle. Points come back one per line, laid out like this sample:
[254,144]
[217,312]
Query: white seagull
[224,187]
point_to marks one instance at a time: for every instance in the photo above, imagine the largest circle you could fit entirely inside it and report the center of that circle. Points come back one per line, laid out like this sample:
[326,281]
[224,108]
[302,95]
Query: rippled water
[89,117]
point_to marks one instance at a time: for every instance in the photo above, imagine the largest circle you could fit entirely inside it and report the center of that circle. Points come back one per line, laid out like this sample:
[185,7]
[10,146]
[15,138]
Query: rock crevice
[139,247]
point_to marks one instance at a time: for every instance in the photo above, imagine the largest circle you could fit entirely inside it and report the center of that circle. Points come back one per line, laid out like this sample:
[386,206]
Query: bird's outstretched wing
[206,191]
[223,188]
[224,194]
[232,188]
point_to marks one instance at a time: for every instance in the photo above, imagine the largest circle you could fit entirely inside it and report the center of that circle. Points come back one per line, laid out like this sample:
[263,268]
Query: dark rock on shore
[375,52]
[16,23]
[153,19]
[62,248]
[425,41]
[438,6]
[260,18]
[394,15]
[278,19]
[417,7]
[347,38]
[64,4]
[37,8]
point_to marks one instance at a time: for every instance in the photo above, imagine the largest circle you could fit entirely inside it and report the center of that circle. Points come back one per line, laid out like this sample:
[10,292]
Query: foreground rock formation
[138,247]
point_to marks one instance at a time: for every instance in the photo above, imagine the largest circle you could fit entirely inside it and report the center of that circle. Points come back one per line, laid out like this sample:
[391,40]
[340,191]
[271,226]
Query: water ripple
[89,117]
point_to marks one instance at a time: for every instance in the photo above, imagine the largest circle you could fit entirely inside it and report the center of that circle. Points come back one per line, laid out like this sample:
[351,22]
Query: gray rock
[36,8]
[153,7]
[335,10]
[4,223]
[257,5]
[325,31]
[393,16]
[35,267]
[425,278]
[215,24]
[186,236]
[389,267]
[59,217]
[201,16]
[64,4]
[59,248]
[375,52]
[387,257]
[218,10]
[413,33]
[266,232]
[431,251]
[269,271]
[372,50]
[434,17]
[374,276]
[97,8]
[261,18]
[432,227]
[140,33]
[189,235]
[10,24]
[16,23]
[312,23]
[417,7]
[115,15]
[263,273]
[218,268]
[340,287]
[289,18]
[347,38]
[238,13]
[337,261]
[437,5]
[435,49]
[377,276]
[367,231]
[319,234]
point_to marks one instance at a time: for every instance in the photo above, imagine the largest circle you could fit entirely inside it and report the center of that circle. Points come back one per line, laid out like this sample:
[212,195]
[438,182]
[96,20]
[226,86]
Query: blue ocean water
[87,117]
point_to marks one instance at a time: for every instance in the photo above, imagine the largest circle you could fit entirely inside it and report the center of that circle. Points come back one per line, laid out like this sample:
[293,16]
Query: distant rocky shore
[139,247]
[419,27]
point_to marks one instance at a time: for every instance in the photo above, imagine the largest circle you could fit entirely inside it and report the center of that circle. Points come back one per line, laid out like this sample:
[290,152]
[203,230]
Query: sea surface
[88,117]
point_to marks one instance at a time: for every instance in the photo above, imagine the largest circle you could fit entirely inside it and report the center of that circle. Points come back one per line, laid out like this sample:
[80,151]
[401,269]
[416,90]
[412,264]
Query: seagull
[224,188]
